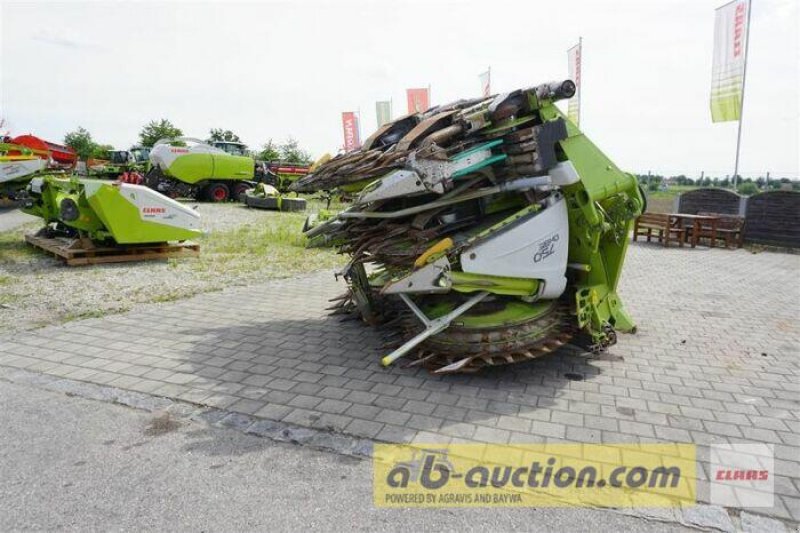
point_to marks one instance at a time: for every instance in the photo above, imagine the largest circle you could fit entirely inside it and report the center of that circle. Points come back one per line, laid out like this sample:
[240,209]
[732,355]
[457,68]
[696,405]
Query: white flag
[486,82]
[727,74]
[574,106]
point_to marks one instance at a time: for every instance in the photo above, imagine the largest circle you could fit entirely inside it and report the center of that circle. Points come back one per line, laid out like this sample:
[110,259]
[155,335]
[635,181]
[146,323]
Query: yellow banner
[535,475]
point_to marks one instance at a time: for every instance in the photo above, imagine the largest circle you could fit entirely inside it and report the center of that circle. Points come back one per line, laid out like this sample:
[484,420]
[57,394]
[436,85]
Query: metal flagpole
[741,107]
[580,69]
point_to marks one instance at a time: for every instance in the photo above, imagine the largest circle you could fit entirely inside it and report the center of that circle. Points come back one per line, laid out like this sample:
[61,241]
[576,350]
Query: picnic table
[697,222]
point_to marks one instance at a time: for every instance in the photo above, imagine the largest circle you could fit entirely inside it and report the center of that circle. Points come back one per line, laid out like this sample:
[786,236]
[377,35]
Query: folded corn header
[486,232]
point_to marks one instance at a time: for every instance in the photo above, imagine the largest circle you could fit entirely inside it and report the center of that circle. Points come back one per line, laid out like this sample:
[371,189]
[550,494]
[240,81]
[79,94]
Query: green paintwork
[512,313]
[194,168]
[106,214]
[602,208]
[466,282]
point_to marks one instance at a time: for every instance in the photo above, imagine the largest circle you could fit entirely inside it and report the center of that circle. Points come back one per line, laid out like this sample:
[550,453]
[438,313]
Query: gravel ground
[244,246]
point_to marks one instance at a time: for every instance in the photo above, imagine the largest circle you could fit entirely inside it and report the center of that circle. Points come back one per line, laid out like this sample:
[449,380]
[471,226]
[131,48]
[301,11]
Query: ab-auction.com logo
[460,475]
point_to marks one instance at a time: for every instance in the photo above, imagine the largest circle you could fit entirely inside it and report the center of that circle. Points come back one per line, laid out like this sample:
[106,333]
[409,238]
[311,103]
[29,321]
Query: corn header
[485,232]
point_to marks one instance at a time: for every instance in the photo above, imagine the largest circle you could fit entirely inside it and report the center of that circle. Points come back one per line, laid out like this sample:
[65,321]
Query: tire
[238,191]
[217,192]
[293,204]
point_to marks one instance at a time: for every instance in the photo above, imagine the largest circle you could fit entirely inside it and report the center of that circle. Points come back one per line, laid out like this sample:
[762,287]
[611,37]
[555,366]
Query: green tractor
[190,168]
[486,232]
[119,162]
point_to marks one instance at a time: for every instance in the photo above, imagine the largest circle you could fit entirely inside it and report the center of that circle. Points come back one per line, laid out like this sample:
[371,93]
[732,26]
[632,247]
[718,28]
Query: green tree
[156,130]
[81,141]
[270,152]
[292,153]
[100,151]
[748,188]
[218,134]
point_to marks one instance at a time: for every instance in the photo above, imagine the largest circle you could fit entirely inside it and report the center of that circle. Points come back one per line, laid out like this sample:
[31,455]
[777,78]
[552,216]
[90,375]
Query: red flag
[351,135]
[419,100]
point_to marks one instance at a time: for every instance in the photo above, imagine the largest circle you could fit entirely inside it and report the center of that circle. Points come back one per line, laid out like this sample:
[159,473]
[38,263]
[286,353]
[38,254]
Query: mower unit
[110,212]
[265,196]
[190,168]
[487,232]
[18,165]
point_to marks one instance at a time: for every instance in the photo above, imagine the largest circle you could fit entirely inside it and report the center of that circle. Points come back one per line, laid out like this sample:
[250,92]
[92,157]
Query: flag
[727,73]
[486,82]
[351,135]
[419,100]
[574,105]
[383,110]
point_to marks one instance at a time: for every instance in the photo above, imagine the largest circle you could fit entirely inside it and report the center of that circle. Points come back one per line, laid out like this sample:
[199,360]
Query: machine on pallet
[486,232]
[109,213]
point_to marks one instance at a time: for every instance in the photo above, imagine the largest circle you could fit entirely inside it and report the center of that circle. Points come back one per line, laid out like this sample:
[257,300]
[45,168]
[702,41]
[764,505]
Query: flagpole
[741,106]
[580,49]
[489,79]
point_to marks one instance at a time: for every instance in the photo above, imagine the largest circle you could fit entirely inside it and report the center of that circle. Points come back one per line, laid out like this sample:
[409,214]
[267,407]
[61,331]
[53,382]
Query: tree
[748,188]
[292,153]
[218,134]
[270,152]
[157,130]
[100,151]
[81,141]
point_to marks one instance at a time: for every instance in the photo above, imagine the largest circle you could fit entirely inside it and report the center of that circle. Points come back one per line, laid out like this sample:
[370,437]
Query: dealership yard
[715,360]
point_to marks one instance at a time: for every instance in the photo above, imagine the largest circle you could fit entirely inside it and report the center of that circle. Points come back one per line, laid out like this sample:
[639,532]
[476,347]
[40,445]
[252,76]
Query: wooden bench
[730,228]
[666,229]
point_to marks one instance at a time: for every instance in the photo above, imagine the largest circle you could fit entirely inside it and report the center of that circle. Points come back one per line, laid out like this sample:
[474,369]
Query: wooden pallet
[76,252]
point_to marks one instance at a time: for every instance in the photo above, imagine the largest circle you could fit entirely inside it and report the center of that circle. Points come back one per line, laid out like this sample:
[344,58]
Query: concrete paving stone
[491,435]
[333,406]
[332,422]
[396,434]
[359,385]
[246,406]
[273,411]
[363,428]
[393,417]
[302,417]
[425,423]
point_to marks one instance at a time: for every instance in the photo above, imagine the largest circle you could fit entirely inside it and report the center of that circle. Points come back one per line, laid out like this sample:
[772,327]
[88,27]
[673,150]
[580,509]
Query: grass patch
[13,248]
[275,245]
[93,313]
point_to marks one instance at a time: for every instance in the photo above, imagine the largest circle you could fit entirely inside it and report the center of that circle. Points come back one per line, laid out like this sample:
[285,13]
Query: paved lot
[715,360]
[69,464]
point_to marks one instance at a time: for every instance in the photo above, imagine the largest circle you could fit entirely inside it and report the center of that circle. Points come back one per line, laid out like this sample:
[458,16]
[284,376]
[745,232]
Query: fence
[770,217]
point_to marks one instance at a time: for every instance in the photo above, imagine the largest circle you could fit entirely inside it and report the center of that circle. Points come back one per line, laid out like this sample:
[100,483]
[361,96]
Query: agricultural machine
[108,212]
[25,156]
[187,167]
[264,196]
[485,232]
[118,163]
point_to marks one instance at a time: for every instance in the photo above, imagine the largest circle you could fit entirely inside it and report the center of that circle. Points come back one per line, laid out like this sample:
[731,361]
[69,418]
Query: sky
[271,70]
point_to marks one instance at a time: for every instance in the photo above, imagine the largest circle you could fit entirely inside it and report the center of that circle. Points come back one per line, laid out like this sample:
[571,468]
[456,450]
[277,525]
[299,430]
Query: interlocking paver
[694,372]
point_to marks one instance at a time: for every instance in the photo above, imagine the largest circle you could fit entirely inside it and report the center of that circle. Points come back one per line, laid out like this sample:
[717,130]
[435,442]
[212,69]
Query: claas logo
[735,474]
[154,210]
